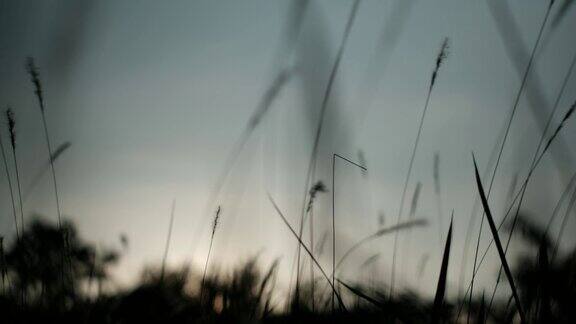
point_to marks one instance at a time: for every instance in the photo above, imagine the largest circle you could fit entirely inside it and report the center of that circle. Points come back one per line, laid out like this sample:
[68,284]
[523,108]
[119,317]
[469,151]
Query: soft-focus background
[153,96]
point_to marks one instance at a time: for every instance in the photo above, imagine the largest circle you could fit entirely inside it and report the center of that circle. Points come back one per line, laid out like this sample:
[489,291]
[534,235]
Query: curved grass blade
[498,243]
[382,232]
[441,288]
[46,167]
[362,295]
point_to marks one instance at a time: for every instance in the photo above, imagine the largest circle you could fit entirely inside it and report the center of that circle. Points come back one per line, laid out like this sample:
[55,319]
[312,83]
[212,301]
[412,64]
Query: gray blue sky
[154,94]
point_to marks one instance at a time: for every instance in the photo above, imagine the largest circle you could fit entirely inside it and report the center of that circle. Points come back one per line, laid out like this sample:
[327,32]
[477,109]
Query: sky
[154,96]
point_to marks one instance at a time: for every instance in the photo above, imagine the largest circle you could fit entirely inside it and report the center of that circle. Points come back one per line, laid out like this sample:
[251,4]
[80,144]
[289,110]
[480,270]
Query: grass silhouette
[48,271]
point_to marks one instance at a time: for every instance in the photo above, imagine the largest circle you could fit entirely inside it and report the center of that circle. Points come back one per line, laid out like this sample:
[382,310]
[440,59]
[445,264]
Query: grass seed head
[35,78]
[11,126]
[215,225]
[440,58]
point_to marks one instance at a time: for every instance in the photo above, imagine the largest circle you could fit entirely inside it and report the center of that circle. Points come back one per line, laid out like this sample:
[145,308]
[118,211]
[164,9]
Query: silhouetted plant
[11,120]
[33,263]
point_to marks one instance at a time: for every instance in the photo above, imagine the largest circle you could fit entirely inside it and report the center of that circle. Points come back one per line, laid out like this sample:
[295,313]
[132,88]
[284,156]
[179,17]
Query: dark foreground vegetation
[38,286]
[49,274]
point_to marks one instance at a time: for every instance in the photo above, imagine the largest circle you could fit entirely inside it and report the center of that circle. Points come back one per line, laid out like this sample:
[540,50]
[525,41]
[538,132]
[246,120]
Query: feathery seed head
[11,126]
[316,188]
[216,220]
[562,123]
[35,78]
[442,55]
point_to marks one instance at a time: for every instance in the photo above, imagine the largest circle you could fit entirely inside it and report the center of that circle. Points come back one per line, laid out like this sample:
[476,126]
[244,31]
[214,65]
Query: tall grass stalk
[307,251]
[12,129]
[311,171]
[411,215]
[510,33]
[390,34]
[442,55]
[538,154]
[168,237]
[261,110]
[283,76]
[508,125]
[317,188]
[564,195]
[441,286]
[11,120]
[285,73]
[312,283]
[363,169]
[520,193]
[472,219]
[214,227]
[9,187]
[35,78]
[534,159]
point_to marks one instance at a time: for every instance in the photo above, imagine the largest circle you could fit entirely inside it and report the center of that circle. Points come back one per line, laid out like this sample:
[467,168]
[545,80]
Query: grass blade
[36,179]
[169,236]
[214,227]
[380,233]
[4,159]
[307,250]
[498,243]
[442,55]
[441,288]
[360,294]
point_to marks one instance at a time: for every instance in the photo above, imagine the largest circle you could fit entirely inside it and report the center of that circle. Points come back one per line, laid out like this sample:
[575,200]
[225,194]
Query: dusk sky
[153,96]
